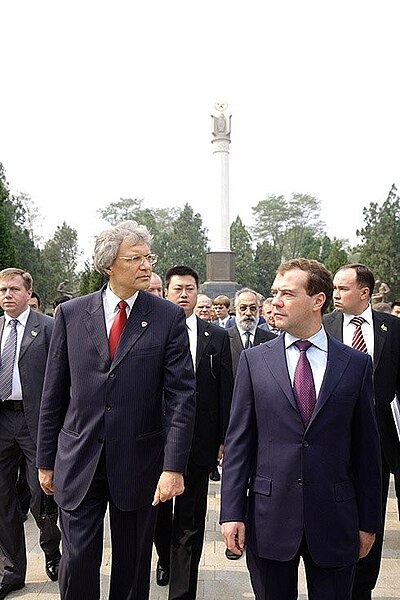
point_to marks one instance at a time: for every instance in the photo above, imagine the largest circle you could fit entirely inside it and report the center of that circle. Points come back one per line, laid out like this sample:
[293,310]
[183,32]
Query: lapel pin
[206,333]
[144,323]
[383,326]
[34,333]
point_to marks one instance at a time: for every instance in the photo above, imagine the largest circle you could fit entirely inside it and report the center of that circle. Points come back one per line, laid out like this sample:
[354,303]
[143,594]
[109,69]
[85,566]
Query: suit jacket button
[108,407]
[305,444]
[112,374]
[300,481]
[100,440]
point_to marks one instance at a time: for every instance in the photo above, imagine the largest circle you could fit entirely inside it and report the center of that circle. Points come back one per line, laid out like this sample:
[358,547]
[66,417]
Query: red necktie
[358,341]
[303,383]
[117,327]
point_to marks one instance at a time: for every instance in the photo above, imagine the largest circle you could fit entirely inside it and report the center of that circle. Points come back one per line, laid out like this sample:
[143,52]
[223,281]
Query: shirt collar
[191,322]
[367,315]
[319,340]
[113,299]
[22,318]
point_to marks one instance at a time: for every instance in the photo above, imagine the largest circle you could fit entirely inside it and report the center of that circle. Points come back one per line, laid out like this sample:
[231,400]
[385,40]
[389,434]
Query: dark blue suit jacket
[283,480]
[90,402]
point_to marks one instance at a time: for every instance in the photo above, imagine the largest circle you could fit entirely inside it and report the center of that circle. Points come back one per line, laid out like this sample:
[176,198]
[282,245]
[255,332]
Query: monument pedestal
[220,275]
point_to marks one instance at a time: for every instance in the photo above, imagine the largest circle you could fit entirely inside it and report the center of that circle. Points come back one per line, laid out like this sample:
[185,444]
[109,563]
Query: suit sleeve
[366,458]
[240,447]
[225,387]
[179,397]
[55,395]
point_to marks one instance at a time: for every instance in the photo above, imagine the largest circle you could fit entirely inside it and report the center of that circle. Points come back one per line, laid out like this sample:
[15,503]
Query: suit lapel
[381,328]
[95,323]
[338,360]
[32,330]
[204,333]
[236,341]
[275,358]
[335,325]
[137,323]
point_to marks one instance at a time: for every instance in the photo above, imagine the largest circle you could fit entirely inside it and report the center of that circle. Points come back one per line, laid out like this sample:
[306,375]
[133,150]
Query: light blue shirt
[317,356]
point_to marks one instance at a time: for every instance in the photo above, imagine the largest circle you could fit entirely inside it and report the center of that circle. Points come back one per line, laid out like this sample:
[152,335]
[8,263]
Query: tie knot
[357,321]
[122,305]
[303,345]
[13,323]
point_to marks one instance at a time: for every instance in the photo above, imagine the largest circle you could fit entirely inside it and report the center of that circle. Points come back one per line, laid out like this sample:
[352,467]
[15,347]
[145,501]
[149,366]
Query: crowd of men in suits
[128,400]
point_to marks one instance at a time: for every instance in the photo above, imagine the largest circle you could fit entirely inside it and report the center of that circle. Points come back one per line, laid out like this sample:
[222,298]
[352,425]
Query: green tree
[90,280]
[380,241]
[246,273]
[266,260]
[284,222]
[7,253]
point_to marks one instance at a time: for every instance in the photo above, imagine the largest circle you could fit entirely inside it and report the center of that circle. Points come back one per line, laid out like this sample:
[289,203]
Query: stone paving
[219,579]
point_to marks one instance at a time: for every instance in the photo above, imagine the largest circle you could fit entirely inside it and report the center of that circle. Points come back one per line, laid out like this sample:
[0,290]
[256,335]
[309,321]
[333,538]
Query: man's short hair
[384,307]
[36,295]
[221,299]
[181,271]
[247,291]
[395,303]
[364,276]
[109,241]
[319,278]
[60,300]
[13,271]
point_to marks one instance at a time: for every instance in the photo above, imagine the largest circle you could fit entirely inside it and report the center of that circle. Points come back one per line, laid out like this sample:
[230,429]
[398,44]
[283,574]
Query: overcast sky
[102,100]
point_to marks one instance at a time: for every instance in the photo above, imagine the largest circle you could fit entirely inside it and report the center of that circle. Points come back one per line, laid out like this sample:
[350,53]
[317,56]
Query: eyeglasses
[244,307]
[139,259]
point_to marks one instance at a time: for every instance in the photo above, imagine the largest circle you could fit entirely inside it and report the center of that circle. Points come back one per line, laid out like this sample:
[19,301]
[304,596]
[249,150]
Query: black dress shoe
[214,475]
[231,555]
[51,565]
[7,588]
[162,575]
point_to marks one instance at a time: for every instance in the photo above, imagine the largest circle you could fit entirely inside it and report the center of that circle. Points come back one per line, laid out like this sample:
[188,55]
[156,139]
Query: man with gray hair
[116,358]
[246,333]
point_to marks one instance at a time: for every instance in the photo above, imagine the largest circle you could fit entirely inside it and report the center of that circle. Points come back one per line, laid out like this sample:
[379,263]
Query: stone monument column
[221,261]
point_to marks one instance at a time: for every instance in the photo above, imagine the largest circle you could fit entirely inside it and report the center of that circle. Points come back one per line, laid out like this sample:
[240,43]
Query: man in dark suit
[303,441]
[117,356]
[26,334]
[245,332]
[211,356]
[353,288]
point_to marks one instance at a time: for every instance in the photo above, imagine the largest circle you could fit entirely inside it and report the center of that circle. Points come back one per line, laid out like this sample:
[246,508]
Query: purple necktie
[303,383]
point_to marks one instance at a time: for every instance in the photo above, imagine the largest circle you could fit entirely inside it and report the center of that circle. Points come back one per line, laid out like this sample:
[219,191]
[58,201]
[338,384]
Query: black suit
[18,434]
[214,384]
[236,343]
[386,384]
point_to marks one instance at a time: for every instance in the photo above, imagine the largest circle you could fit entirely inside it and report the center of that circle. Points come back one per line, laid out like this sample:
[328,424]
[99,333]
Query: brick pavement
[220,579]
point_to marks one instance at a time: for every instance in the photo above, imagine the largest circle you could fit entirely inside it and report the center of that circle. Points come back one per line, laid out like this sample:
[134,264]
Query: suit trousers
[188,533]
[273,579]
[163,532]
[82,537]
[15,440]
[367,569]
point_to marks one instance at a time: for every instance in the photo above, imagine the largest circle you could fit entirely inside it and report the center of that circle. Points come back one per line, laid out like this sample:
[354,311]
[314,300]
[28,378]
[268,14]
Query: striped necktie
[358,342]
[7,361]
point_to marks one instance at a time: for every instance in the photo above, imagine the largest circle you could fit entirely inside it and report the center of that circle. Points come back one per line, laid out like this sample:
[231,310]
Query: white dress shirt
[367,329]
[110,305]
[243,336]
[317,356]
[21,324]
[191,324]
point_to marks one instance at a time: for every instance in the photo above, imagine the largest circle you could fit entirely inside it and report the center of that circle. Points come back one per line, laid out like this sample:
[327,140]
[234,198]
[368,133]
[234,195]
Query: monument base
[220,275]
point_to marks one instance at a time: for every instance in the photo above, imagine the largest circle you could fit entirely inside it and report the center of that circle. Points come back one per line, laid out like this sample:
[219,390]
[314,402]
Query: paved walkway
[220,579]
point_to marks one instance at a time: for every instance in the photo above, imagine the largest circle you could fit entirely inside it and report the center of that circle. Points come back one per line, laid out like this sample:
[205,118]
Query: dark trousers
[15,440]
[278,580]
[163,532]
[185,538]
[367,569]
[82,537]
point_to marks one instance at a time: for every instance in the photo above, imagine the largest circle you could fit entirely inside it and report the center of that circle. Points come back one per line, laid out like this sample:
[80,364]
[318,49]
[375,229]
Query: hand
[220,451]
[366,541]
[46,481]
[169,485]
[233,533]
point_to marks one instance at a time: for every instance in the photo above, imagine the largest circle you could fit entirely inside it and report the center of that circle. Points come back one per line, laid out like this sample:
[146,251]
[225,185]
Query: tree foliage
[241,245]
[284,223]
[380,236]
[7,253]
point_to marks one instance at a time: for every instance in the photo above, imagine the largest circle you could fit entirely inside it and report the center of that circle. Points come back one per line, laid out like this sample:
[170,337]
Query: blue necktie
[7,361]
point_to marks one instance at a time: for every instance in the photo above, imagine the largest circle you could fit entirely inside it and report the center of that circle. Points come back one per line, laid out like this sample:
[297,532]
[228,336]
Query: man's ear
[165,292]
